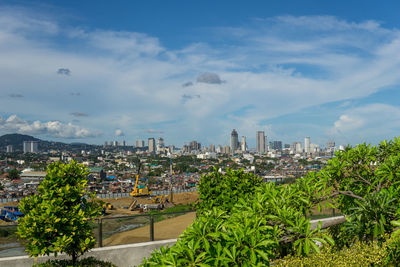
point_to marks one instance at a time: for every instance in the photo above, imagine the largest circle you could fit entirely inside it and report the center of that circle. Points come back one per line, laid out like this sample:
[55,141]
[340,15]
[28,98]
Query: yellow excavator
[140,190]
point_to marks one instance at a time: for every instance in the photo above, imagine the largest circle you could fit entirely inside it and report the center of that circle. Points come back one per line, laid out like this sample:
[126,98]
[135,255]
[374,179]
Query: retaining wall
[132,254]
[122,255]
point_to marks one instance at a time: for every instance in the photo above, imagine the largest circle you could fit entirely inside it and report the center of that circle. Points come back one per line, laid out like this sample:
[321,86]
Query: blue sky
[92,71]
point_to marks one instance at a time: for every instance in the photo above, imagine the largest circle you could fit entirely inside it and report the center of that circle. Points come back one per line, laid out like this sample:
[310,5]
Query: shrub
[223,191]
[359,254]
[58,218]
[262,225]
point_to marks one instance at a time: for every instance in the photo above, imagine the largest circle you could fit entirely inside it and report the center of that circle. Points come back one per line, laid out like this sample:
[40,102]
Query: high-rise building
[261,138]
[30,146]
[234,141]
[287,146]
[116,143]
[123,143]
[307,145]
[277,145]
[227,150]
[139,143]
[194,145]
[10,149]
[212,148]
[105,144]
[152,145]
[299,147]
[243,144]
[160,143]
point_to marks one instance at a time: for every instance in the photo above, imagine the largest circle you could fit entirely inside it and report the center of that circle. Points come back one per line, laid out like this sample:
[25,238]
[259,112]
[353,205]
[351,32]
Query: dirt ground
[120,204]
[167,229]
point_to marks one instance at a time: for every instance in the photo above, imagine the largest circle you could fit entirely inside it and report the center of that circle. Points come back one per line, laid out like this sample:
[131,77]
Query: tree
[13,174]
[365,181]
[57,219]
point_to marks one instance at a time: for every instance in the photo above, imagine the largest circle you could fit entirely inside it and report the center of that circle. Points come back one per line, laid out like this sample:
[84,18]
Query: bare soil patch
[166,229]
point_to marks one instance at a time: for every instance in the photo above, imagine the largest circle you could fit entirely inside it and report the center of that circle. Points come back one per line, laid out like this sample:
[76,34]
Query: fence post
[333,212]
[151,227]
[100,237]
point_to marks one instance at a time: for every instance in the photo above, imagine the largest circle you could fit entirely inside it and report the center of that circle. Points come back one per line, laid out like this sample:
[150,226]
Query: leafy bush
[359,254]
[263,225]
[57,219]
[364,181]
[223,191]
[245,223]
[393,247]
[86,262]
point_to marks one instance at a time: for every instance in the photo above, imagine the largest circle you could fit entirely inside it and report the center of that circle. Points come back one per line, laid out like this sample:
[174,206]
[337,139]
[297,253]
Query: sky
[95,71]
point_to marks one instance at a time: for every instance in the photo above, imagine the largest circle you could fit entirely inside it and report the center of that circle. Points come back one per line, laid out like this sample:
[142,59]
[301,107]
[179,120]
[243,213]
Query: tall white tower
[243,144]
[307,145]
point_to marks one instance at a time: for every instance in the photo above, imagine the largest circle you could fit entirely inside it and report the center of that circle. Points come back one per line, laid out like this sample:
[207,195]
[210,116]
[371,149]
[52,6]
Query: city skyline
[78,72]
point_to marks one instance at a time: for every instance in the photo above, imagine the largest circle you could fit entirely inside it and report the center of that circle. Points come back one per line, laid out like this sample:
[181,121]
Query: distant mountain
[16,140]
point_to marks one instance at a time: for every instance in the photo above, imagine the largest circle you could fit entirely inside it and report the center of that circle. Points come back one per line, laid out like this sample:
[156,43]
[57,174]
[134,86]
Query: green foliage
[223,191]
[245,223]
[265,222]
[359,254]
[393,246]
[13,174]
[58,218]
[86,262]
[364,181]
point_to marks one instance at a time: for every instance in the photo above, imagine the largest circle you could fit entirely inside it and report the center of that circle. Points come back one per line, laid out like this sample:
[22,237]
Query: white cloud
[119,132]
[372,122]
[129,80]
[52,128]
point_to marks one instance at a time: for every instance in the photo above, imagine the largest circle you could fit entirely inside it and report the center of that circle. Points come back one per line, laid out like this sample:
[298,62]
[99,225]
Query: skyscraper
[160,143]
[234,141]
[243,144]
[277,145]
[152,145]
[10,149]
[212,148]
[139,143]
[307,145]
[30,146]
[260,142]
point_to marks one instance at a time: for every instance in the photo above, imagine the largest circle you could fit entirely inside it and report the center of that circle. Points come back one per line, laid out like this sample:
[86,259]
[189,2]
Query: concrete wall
[132,254]
[122,255]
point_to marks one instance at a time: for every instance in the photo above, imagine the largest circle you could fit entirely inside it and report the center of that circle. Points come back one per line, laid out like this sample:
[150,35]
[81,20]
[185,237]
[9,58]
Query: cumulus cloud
[280,65]
[64,71]
[372,120]
[119,132]
[209,77]
[52,128]
[187,84]
[79,114]
[16,95]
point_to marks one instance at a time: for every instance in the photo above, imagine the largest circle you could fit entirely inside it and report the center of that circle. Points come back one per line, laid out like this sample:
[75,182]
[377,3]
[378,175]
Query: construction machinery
[107,206]
[133,204]
[140,190]
[160,199]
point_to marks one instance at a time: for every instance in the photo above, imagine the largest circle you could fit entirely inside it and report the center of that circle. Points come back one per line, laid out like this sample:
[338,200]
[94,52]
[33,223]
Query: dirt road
[167,229]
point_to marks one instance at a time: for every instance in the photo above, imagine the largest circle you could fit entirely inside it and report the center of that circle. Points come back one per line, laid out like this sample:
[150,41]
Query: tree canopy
[57,219]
